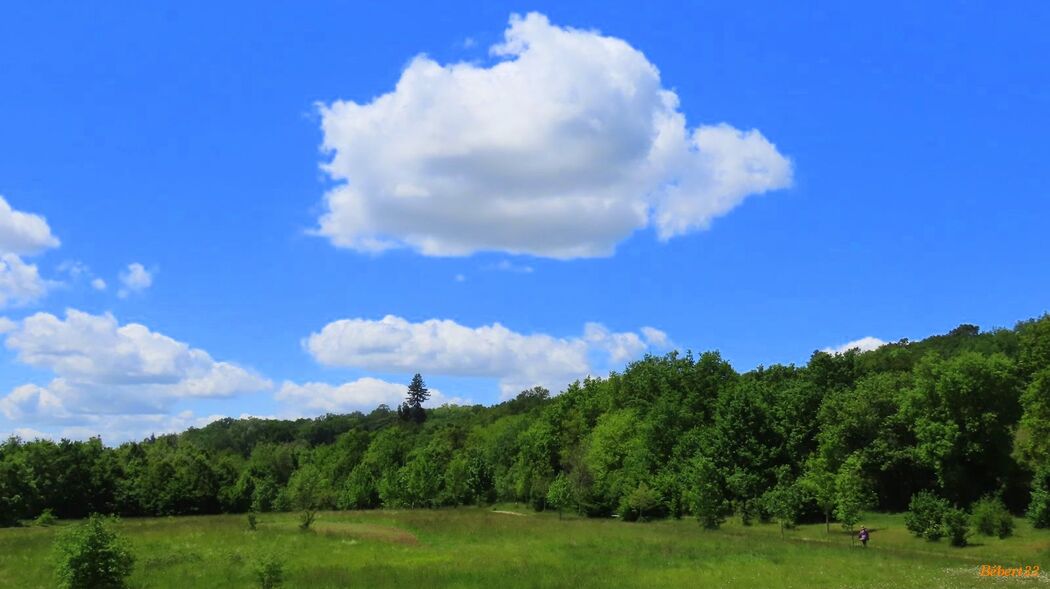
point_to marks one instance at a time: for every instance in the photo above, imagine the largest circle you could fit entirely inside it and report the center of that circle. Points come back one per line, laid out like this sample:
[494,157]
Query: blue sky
[534,213]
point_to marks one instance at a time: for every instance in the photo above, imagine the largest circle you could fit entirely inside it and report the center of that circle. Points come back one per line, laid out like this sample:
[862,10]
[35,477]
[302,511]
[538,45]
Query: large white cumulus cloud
[102,367]
[562,148]
[445,347]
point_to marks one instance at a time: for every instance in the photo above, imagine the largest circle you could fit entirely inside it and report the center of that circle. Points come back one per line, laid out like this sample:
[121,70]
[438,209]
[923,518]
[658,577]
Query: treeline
[964,415]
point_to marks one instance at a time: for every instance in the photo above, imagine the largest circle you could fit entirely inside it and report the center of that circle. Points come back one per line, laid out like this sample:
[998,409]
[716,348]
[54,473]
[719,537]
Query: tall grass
[479,548]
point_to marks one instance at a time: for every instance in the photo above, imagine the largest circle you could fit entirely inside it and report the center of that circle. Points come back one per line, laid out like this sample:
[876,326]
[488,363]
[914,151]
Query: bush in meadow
[957,526]
[991,518]
[925,516]
[269,571]
[93,555]
[46,518]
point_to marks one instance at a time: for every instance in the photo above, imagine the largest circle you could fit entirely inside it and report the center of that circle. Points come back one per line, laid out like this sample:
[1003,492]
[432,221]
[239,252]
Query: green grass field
[475,547]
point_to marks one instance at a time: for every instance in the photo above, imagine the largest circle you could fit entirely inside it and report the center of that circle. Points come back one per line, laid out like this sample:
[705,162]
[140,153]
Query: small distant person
[863,536]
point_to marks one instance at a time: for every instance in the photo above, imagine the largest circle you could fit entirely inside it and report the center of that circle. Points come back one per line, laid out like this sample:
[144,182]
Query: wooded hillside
[966,414]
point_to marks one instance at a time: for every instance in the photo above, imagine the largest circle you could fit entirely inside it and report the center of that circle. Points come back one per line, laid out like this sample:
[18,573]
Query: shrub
[251,520]
[925,516]
[957,526]
[46,518]
[93,555]
[1039,506]
[991,518]
[269,571]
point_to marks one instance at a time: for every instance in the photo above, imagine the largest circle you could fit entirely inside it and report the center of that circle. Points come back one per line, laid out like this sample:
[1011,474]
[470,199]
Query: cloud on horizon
[447,348]
[864,344]
[363,394]
[102,368]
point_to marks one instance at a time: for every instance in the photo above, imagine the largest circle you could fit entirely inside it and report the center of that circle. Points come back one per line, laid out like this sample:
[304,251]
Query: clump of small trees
[933,518]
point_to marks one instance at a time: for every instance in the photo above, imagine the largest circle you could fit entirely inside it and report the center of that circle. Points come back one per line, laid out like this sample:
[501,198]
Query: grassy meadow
[476,547]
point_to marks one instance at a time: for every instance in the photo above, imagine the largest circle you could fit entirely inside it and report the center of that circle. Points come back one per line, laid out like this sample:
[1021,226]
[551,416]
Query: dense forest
[963,415]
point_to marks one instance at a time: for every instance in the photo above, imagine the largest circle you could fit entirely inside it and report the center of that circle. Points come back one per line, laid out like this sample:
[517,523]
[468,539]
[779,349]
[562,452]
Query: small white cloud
[20,283]
[77,271]
[563,148]
[656,338]
[508,266]
[7,325]
[864,344]
[460,278]
[74,269]
[23,233]
[135,279]
[624,347]
[445,347]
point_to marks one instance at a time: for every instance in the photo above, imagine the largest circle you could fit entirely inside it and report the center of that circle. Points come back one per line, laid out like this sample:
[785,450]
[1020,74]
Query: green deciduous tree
[706,493]
[786,500]
[359,490]
[962,410]
[641,504]
[818,484]
[1039,506]
[744,444]
[307,492]
[560,494]
[852,492]
[1033,432]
